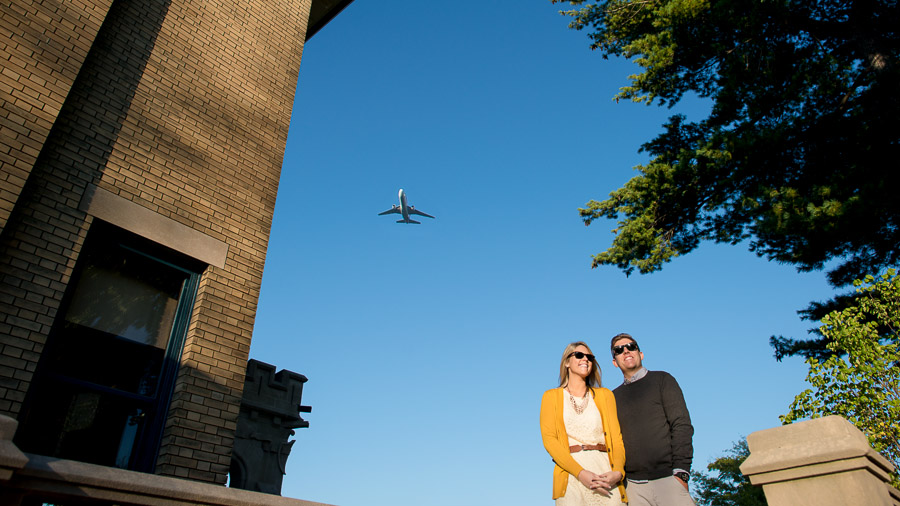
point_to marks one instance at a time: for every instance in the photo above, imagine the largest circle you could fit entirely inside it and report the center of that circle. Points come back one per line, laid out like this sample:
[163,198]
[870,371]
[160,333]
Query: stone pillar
[269,414]
[822,462]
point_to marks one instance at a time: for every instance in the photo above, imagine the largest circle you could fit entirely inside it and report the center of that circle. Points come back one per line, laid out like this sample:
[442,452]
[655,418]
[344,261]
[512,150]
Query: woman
[580,429]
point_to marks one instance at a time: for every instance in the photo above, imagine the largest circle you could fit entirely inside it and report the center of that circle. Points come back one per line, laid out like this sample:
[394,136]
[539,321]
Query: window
[105,378]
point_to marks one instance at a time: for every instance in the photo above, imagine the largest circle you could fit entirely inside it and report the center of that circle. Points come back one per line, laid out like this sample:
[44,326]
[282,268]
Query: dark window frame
[145,451]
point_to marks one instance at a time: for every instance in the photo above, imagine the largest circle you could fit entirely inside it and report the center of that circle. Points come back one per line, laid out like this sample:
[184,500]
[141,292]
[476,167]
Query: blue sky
[427,347]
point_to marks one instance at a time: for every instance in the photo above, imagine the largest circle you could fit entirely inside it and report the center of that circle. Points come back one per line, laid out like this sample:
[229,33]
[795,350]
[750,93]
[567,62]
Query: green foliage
[798,154]
[864,385]
[818,346]
[728,486]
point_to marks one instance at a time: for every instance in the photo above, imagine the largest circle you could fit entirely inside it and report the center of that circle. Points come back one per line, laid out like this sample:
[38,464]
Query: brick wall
[42,47]
[181,107]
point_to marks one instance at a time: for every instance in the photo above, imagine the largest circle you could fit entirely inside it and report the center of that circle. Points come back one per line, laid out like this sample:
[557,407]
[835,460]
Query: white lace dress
[586,429]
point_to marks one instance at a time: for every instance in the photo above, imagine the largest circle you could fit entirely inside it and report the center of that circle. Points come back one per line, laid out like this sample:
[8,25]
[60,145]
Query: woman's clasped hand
[601,483]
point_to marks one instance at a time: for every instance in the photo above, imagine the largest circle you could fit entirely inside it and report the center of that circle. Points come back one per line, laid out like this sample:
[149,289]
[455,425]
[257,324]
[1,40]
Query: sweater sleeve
[681,430]
[551,433]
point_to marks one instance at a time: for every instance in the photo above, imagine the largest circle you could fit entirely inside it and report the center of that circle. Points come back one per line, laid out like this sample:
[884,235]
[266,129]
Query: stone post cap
[8,426]
[11,458]
[808,443]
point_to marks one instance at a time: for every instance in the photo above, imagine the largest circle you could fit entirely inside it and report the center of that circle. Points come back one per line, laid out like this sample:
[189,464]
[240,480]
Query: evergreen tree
[798,156]
[728,486]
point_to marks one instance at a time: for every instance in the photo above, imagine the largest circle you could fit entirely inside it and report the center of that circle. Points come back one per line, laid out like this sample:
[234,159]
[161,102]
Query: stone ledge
[24,473]
[813,470]
[156,227]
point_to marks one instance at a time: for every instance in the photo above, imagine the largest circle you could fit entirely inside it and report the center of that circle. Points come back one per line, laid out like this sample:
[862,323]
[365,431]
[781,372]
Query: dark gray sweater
[656,427]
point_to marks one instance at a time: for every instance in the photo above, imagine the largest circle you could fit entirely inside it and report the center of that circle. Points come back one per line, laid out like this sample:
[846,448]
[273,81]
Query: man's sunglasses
[632,346]
[580,355]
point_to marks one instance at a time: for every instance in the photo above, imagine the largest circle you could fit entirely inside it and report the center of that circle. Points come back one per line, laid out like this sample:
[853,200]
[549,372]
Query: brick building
[141,143]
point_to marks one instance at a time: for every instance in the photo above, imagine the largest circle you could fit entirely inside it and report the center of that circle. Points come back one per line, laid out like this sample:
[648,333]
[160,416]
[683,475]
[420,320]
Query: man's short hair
[619,337]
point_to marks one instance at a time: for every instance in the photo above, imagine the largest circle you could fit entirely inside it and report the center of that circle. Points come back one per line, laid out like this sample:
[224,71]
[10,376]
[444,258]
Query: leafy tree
[728,487]
[864,385]
[798,155]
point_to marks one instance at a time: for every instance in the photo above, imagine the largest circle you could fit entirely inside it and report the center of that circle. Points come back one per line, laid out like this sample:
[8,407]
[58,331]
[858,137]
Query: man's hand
[683,478]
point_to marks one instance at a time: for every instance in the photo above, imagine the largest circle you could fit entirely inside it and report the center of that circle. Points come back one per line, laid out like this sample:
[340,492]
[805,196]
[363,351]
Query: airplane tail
[409,221]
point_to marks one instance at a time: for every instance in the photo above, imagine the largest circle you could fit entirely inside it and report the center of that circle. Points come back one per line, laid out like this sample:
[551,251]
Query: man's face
[629,361]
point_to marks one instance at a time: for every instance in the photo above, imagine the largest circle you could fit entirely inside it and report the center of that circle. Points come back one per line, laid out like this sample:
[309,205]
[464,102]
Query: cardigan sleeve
[552,432]
[611,419]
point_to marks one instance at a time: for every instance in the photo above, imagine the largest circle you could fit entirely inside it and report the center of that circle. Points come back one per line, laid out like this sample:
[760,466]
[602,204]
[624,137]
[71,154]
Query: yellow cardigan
[556,441]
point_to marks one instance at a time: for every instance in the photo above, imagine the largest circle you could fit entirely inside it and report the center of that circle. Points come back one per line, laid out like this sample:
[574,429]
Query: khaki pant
[666,491]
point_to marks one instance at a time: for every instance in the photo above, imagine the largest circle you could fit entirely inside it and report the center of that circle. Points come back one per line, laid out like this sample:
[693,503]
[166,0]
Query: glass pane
[78,424]
[128,295]
[104,359]
[118,322]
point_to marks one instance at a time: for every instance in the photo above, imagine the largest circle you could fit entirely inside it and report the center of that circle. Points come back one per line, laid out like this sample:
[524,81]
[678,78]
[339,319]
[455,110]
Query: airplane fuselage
[404,208]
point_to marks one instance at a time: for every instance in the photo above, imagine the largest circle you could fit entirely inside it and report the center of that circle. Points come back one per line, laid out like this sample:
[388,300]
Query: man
[656,428]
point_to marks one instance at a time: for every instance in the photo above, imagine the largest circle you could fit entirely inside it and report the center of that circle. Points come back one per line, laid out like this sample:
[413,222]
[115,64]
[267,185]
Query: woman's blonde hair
[593,379]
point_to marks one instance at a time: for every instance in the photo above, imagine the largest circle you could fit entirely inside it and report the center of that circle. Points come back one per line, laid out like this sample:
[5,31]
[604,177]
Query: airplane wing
[393,210]
[413,210]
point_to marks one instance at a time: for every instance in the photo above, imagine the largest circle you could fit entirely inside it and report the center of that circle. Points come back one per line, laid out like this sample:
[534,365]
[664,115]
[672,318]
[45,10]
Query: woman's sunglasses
[580,355]
[632,346]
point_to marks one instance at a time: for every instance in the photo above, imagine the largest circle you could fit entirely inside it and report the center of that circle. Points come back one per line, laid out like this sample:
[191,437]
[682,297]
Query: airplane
[405,210]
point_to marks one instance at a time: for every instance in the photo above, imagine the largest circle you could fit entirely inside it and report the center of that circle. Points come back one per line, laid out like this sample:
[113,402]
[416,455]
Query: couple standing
[587,430]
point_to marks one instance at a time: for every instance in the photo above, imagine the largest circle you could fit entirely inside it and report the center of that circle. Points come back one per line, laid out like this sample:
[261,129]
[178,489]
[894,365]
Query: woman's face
[580,366]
